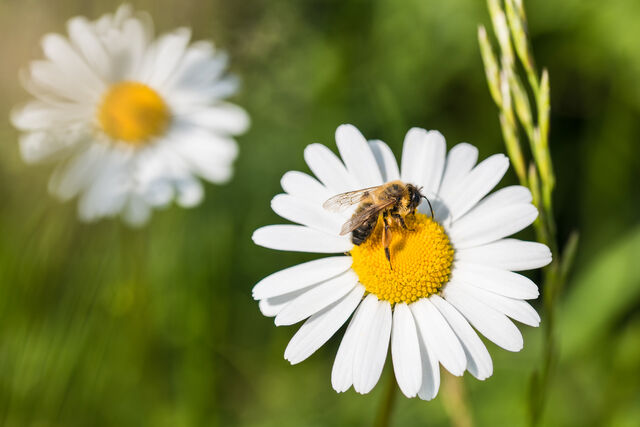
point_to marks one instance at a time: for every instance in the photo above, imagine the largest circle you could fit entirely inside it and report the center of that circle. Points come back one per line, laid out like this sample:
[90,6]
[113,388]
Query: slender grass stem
[455,401]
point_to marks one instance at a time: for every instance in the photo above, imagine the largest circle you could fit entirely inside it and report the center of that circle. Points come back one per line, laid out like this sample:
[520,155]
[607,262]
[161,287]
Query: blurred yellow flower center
[421,258]
[133,113]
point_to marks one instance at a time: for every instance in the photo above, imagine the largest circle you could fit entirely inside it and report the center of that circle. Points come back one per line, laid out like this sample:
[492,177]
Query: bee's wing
[361,217]
[344,200]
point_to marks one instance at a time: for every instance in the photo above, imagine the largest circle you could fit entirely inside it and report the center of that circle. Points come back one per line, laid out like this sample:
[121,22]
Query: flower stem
[386,407]
[455,401]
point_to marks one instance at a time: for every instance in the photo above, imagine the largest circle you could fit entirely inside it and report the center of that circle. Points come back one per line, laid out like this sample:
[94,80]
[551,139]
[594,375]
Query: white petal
[317,298]
[442,343]
[489,322]
[495,280]
[484,227]
[329,169]
[508,254]
[136,212]
[343,366]
[405,351]
[432,175]
[303,186]
[45,79]
[270,307]
[109,191]
[60,52]
[317,330]
[430,382]
[40,146]
[73,176]
[516,309]
[223,117]
[164,56]
[86,41]
[479,361]
[371,351]
[300,238]
[200,67]
[386,160]
[207,154]
[423,159]
[189,192]
[129,52]
[37,115]
[300,276]
[475,185]
[357,156]
[306,213]
[460,161]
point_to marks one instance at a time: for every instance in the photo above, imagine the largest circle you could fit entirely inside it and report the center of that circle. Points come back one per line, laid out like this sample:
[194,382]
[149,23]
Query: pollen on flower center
[421,259]
[132,112]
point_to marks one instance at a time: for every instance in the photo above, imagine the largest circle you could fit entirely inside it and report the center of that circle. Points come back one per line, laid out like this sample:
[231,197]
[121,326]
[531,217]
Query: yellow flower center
[421,260]
[133,112]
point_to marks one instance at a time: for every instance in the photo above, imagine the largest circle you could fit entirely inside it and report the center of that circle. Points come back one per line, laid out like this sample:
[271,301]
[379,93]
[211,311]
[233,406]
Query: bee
[393,200]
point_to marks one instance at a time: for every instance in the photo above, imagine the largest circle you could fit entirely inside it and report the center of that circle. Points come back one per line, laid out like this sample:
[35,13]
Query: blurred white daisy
[131,120]
[450,275]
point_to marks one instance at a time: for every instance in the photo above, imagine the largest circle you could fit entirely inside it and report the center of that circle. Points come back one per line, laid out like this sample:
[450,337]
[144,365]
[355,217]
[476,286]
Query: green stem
[455,401]
[386,408]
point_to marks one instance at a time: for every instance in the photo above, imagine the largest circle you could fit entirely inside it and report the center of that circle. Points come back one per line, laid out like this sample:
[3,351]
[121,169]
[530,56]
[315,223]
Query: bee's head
[414,196]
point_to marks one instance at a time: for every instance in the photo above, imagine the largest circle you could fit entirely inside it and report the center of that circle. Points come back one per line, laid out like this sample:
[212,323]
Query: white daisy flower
[131,120]
[448,274]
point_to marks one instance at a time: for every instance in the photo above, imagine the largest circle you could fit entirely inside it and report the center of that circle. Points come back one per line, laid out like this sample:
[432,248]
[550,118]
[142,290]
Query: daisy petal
[300,239]
[72,177]
[317,330]
[39,146]
[405,351]
[305,187]
[436,150]
[37,115]
[357,156]
[442,343]
[86,41]
[270,307]
[223,117]
[430,382]
[329,169]
[60,52]
[189,192]
[475,185]
[164,56]
[508,254]
[343,366]
[371,351]
[479,361]
[516,309]
[495,280]
[136,212]
[423,159]
[460,161]
[300,276]
[386,160]
[317,298]
[306,213]
[489,322]
[478,228]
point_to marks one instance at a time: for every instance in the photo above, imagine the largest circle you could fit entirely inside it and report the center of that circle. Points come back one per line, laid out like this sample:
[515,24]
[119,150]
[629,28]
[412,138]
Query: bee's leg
[400,220]
[386,237]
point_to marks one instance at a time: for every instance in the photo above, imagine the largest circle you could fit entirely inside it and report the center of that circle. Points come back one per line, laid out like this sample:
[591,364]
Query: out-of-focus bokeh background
[103,325]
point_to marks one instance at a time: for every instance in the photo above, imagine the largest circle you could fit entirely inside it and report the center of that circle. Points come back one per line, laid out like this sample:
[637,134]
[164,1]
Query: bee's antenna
[430,207]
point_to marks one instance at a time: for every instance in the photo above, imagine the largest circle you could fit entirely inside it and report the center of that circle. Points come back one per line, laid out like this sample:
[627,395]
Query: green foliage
[102,325]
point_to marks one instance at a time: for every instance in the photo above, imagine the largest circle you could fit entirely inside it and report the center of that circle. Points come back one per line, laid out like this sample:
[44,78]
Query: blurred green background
[102,325]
